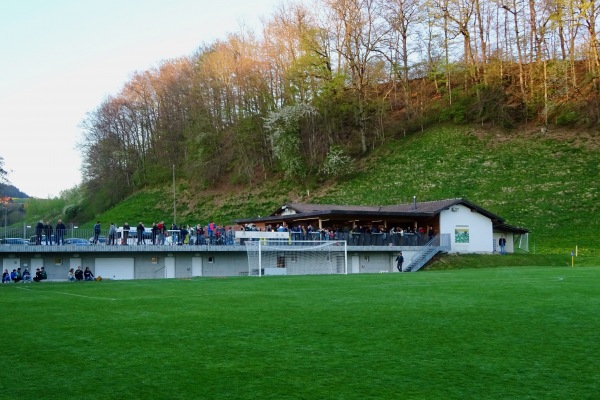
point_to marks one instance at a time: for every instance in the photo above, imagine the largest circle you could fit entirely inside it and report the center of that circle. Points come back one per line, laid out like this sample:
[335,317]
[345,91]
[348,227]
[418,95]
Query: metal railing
[435,245]
[27,236]
[366,238]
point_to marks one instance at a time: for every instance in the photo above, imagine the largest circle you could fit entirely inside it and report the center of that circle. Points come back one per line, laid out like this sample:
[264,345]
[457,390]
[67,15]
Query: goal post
[279,257]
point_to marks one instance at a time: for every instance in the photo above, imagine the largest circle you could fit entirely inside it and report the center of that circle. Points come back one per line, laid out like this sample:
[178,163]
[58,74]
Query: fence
[26,236]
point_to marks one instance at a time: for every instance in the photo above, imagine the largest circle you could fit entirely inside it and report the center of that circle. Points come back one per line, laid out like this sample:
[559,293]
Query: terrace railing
[26,236]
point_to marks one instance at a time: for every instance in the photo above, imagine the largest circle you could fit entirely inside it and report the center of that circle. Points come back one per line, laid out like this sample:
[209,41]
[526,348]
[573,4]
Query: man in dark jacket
[40,275]
[39,230]
[140,234]
[399,260]
[79,274]
[182,234]
[48,232]
[97,231]
[60,232]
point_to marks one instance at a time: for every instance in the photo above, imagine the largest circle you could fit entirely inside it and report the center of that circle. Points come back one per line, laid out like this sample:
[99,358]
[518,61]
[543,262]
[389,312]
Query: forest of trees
[324,82]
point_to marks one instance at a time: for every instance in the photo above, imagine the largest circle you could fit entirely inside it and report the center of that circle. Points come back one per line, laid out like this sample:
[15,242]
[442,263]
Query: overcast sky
[59,59]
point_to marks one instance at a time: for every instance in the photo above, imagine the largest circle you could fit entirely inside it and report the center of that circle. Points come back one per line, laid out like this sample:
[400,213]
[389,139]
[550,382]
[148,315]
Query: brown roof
[426,208]
[418,209]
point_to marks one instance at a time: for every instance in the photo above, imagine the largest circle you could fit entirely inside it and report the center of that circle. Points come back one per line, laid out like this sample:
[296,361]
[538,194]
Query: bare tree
[361,30]
[401,15]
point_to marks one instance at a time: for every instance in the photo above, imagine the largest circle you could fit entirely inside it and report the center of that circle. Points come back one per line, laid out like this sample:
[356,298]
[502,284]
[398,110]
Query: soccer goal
[277,257]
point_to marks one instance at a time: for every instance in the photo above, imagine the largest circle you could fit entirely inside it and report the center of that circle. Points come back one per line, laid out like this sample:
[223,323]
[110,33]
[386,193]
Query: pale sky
[59,59]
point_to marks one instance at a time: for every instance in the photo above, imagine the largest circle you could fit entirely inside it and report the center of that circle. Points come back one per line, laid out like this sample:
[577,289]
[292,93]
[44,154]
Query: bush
[336,163]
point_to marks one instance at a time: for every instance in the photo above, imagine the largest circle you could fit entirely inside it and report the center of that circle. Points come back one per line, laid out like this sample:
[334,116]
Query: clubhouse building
[373,235]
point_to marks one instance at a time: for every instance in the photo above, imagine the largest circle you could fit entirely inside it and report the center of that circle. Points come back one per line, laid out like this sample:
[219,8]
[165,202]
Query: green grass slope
[547,184]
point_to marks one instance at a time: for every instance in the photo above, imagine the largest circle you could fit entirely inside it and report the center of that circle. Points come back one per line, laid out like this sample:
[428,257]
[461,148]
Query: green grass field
[495,333]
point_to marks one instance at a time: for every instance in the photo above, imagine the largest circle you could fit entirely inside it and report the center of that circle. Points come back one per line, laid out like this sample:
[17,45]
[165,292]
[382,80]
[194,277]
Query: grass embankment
[461,261]
[547,185]
[499,333]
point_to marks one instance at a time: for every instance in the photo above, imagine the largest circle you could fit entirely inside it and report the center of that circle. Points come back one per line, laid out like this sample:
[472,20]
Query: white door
[12,263]
[355,264]
[74,263]
[196,266]
[169,267]
[35,263]
[115,268]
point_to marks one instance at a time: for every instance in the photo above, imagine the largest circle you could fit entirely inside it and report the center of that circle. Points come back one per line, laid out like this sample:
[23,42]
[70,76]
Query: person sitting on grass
[71,275]
[15,275]
[26,276]
[5,276]
[87,274]
[79,274]
[40,275]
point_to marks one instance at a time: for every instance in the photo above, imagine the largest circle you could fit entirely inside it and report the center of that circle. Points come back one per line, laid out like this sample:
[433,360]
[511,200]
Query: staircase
[429,250]
[421,259]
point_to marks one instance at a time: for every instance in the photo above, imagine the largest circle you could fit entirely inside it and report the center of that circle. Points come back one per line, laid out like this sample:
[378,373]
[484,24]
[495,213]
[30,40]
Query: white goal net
[283,257]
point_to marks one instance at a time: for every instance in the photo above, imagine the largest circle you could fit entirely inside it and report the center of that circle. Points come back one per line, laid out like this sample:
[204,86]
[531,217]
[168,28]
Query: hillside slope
[548,184]
[545,183]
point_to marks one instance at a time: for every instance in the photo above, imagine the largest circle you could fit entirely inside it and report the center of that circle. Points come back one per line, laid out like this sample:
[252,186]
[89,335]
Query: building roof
[510,228]
[296,211]
[427,208]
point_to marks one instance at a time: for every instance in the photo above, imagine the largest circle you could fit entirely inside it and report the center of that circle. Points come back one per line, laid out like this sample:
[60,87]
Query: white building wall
[470,232]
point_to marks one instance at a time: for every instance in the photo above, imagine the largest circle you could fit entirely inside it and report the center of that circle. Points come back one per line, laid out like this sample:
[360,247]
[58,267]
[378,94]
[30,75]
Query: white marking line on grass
[69,294]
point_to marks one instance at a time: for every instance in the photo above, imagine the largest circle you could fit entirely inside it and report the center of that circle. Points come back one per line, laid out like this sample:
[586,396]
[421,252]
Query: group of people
[16,275]
[80,275]
[49,235]
[40,275]
[159,233]
[213,234]
[359,235]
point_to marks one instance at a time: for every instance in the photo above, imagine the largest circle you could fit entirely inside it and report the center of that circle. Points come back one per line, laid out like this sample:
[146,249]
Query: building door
[35,263]
[169,267]
[12,263]
[355,264]
[74,263]
[196,266]
[115,268]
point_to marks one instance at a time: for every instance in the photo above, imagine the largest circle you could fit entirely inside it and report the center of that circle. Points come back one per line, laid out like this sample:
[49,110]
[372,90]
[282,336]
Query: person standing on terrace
[39,230]
[96,232]
[112,234]
[140,233]
[60,232]
[48,232]
[126,229]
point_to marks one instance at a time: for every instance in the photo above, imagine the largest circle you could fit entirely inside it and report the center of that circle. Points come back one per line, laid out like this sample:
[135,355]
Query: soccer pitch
[498,333]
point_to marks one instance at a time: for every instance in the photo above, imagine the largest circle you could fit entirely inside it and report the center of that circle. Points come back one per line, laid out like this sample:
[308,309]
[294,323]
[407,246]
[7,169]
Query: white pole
[576,250]
[259,258]
[345,258]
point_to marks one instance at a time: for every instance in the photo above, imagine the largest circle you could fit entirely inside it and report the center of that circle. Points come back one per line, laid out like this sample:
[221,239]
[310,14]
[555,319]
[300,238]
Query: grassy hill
[548,184]
[545,183]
